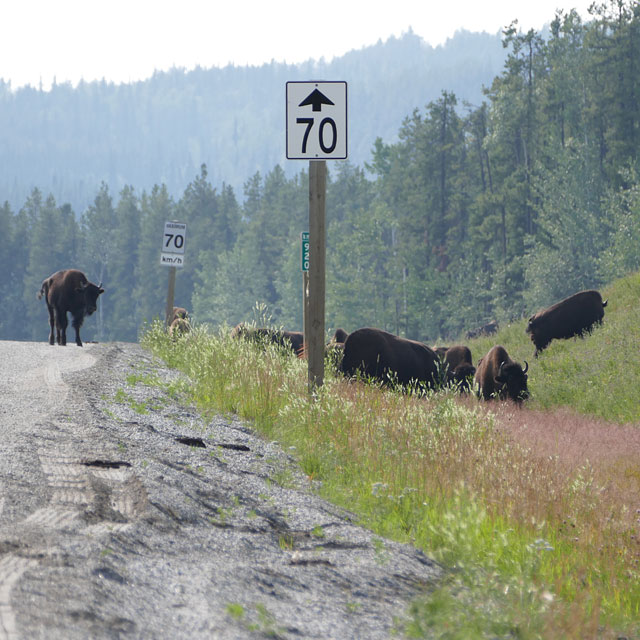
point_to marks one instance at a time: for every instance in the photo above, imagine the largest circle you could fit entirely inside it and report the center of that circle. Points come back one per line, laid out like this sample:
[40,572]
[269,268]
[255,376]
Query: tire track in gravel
[77,490]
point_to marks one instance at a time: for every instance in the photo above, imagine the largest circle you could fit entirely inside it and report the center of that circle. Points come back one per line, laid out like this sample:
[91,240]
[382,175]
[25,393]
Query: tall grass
[534,549]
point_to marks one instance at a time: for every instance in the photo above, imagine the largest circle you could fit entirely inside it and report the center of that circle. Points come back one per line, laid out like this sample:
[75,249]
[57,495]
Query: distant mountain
[68,140]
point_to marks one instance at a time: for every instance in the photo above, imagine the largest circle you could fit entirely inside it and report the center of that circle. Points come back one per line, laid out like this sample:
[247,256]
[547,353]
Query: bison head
[90,293]
[512,381]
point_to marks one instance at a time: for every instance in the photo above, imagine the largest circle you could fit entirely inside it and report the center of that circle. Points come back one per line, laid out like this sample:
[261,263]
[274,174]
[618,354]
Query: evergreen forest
[470,213]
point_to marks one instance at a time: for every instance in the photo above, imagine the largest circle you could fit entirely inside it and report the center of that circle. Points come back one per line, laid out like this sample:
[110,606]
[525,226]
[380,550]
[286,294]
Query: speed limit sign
[316,120]
[173,244]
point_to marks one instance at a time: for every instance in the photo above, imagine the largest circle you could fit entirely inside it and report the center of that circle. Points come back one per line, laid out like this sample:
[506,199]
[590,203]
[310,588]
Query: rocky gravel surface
[126,514]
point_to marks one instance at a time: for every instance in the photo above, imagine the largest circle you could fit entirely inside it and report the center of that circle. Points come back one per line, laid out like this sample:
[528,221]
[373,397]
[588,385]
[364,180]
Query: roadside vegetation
[541,539]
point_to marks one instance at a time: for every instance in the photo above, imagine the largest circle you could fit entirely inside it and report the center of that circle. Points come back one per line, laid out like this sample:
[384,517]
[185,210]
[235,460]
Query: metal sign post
[172,256]
[316,131]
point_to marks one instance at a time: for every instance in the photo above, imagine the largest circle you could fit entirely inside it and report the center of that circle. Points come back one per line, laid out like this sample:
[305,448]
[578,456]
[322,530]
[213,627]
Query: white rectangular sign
[316,120]
[173,244]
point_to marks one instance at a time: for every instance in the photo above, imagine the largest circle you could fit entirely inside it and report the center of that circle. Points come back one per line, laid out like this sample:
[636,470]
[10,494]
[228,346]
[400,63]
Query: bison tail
[42,292]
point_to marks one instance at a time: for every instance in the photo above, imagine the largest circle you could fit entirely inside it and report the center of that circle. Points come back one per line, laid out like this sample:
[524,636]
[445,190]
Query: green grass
[597,375]
[534,550]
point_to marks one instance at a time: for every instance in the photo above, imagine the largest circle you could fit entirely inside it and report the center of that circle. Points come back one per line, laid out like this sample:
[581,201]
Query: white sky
[126,40]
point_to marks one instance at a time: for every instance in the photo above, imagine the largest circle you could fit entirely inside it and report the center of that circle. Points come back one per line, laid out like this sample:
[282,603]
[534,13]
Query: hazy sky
[126,40]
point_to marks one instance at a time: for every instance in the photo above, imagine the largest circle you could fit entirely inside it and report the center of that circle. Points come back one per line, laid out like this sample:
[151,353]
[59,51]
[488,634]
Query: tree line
[67,140]
[474,213]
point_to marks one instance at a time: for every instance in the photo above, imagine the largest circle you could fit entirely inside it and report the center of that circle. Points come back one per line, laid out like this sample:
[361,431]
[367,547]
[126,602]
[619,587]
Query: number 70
[325,122]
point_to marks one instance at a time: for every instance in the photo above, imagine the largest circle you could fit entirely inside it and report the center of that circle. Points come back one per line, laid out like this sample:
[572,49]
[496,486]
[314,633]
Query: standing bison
[485,330]
[573,316]
[69,291]
[499,376]
[383,356]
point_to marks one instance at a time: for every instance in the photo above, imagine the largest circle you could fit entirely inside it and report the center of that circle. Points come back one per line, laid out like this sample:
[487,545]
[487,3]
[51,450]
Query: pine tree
[150,290]
[98,225]
[126,238]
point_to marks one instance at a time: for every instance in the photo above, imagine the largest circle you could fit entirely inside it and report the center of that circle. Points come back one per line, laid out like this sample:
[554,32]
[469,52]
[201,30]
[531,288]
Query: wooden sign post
[317,253]
[170,296]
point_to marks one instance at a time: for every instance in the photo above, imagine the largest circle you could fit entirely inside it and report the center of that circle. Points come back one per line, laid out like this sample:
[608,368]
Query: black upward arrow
[316,100]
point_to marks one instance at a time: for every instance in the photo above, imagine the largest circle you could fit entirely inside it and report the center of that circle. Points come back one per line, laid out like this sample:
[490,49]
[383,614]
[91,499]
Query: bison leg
[52,323]
[77,323]
[61,327]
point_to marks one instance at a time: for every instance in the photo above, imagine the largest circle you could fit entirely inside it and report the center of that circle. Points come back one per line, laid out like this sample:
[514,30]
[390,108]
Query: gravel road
[111,527]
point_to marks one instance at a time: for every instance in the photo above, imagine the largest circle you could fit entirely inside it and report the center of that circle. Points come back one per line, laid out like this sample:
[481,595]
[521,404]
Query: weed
[235,610]
[286,542]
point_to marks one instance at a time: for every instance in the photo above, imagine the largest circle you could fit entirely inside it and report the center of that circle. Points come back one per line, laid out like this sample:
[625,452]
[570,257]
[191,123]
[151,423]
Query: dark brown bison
[390,359]
[291,339]
[69,291]
[573,316]
[459,365]
[485,330]
[499,376]
[334,349]
[339,336]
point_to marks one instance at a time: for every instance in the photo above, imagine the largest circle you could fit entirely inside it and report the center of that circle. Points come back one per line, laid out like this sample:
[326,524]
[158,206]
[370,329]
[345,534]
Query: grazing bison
[459,366]
[291,339]
[573,316]
[499,376]
[388,358]
[69,291]
[440,352]
[485,330]
[339,336]
[179,312]
[179,327]
[334,349]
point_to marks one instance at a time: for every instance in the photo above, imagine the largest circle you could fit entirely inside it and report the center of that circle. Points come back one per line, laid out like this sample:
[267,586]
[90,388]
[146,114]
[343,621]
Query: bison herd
[391,360]
[368,352]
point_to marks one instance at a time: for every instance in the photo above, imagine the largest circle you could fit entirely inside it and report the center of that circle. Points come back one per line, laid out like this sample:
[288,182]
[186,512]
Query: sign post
[172,256]
[316,131]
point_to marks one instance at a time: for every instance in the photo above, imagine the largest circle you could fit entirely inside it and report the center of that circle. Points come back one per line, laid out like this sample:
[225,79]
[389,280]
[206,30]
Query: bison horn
[526,367]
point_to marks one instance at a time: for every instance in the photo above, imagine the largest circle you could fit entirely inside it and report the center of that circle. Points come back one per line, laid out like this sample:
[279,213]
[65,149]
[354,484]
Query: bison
[339,336]
[69,291]
[485,330]
[290,339]
[440,352]
[459,366]
[499,376]
[388,358]
[334,349]
[179,327]
[179,312]
[573,316]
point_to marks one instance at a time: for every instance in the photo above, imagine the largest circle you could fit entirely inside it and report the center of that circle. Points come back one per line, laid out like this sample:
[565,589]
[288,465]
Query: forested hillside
[463,215]
[68,140]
